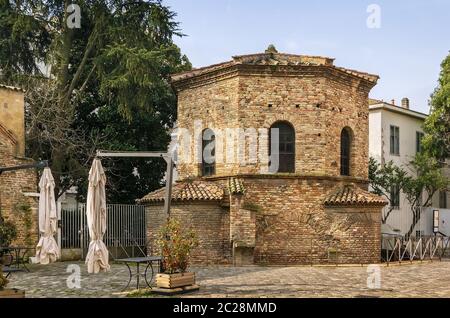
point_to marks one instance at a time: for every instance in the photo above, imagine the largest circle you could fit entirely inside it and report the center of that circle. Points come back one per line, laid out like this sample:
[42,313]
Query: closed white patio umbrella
[47,250]
[97,256]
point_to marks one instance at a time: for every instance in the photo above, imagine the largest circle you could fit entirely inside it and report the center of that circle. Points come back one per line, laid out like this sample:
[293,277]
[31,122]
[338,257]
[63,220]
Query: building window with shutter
[443,200]
[395,197]
[419,137]
[395,141]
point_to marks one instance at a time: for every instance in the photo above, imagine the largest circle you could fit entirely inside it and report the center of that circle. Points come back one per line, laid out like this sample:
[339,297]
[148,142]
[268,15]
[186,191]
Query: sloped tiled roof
[11,88]
[236,186]
[352,195]
[271,58]
[187,191]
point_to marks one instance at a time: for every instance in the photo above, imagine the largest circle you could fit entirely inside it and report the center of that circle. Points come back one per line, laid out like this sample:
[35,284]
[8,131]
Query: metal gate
[125,234]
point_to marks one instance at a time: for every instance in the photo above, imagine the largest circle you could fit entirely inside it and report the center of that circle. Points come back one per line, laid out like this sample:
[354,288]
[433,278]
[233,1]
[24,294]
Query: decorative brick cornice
[292,176]
[274,65]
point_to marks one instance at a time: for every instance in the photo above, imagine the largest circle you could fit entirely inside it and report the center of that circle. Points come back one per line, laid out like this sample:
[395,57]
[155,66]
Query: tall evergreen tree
[108,87]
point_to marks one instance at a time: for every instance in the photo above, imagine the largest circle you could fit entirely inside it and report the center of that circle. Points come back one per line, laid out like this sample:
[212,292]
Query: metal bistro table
[18,255]
[149,260]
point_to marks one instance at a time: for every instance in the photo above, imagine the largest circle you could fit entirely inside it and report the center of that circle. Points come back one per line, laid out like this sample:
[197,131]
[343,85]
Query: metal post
[169,180]
[58,213]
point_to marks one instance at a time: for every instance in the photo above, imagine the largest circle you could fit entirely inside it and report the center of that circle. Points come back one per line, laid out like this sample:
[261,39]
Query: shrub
[3,280]
[175,245]
[8,232]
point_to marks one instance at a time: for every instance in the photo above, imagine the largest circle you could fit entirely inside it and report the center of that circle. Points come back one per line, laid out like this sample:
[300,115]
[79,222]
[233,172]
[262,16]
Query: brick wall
[12,201]
[209,220]
[318,106]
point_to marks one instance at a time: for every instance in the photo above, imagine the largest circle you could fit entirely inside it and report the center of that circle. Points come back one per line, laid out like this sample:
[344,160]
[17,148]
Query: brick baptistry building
[315,208]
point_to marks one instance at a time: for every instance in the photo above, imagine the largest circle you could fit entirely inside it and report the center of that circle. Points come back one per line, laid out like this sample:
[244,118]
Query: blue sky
[406,51]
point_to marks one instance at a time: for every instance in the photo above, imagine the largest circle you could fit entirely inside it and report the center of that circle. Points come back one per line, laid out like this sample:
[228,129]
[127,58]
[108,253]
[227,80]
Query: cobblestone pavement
[407,280]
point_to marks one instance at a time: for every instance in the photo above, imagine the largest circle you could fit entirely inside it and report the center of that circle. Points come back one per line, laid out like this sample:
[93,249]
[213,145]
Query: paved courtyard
[416,280]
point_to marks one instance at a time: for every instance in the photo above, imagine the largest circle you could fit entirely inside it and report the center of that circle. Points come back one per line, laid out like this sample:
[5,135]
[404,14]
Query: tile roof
[270,58]
[236,186]
[352,195]
[11,88]
[187,191]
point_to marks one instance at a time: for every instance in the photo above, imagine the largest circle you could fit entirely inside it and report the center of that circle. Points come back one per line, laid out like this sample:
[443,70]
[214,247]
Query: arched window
[286,147]
[346,142]
[208,153]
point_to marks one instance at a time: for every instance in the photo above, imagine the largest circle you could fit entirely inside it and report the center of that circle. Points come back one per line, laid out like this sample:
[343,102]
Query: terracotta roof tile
[352,195]
[11,88]
[236,186]
[273,59]
[187,191]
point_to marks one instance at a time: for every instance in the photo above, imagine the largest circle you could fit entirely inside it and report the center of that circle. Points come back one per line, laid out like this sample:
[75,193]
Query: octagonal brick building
[312,207]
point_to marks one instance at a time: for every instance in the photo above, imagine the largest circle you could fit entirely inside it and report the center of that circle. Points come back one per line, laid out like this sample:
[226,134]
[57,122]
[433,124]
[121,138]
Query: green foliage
[23,208]
[109,87]
[3,280]
[437,125]
[176,245]
[8,232]
[428,180]
[252,207]
[24,40]
[420,188]
[383,177]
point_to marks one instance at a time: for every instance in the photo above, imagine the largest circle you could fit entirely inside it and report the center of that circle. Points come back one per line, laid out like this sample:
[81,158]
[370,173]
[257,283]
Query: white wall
[380,121]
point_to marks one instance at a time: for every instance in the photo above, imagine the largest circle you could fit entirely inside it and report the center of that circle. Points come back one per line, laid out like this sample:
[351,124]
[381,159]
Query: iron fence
[125,233]
[398,249]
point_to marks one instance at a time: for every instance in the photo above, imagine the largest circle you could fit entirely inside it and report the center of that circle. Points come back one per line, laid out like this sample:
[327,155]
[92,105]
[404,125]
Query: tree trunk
[417,213]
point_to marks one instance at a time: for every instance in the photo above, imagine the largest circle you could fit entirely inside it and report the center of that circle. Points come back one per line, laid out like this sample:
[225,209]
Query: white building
[394,135]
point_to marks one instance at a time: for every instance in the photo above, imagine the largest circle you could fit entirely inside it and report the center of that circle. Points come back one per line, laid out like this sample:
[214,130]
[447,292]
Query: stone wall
[209,220]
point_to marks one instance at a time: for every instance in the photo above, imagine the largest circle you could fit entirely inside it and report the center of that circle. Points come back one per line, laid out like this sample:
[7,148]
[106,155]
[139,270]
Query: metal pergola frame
[36,165]
[167,156]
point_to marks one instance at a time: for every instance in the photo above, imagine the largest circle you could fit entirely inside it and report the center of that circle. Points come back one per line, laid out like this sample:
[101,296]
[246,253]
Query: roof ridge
[14,88]
[188,190]
[350,194]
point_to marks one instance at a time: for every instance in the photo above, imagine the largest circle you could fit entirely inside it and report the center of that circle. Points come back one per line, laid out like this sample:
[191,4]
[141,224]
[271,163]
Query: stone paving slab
[408,280]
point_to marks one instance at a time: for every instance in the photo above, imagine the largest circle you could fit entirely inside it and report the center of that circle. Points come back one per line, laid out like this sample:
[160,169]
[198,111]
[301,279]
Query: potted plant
[7,234]
[176,244]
